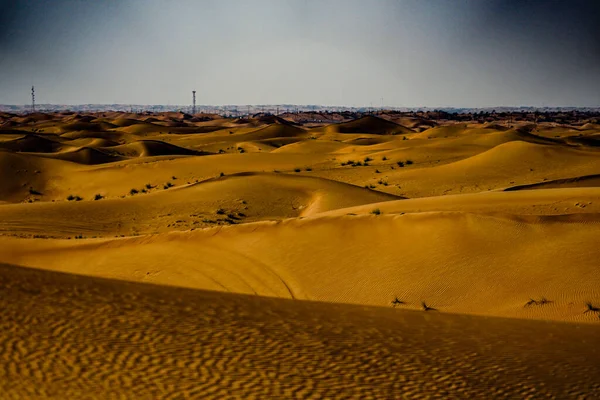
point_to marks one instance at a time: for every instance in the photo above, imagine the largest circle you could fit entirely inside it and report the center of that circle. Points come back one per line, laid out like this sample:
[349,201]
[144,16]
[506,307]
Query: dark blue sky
[342,52]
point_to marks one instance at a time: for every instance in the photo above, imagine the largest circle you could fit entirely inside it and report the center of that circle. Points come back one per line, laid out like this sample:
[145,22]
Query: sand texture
[178,256]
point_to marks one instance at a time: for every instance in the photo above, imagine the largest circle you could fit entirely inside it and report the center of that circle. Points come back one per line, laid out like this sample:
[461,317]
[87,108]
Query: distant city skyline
[411,53]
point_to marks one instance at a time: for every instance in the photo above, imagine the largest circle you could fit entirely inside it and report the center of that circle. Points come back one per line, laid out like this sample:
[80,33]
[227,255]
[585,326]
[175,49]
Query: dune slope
[456,262]
[67,336]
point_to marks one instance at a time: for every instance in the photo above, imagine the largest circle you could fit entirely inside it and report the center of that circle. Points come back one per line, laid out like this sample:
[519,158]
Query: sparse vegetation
[133,191]
[376,211]
[367,159]
[400,164]
[591,308]
[34,192]
[397,302]
[384,158]
[426,307]
[297,170]
[409,162]
[220,211]
[74,198]
[308,169]
[98,197]
[149,186]
[221,175]
[377,171]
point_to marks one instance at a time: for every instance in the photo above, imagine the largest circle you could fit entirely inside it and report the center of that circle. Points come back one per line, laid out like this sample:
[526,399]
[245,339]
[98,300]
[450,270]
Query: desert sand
[170,255]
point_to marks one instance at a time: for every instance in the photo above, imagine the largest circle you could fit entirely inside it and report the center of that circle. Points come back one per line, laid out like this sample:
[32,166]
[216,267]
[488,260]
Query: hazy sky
[332,52]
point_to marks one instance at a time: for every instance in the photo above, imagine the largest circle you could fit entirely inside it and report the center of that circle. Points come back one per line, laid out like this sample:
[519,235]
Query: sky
[403,53]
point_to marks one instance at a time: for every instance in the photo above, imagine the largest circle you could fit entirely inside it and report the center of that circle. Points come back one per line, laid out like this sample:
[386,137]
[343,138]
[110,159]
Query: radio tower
[194,102]
[32,99]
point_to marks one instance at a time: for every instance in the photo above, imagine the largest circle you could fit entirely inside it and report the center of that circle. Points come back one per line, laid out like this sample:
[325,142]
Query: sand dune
[327,224]
[241,198]
[67,336]
[369,124]
[35,143]
[456,262]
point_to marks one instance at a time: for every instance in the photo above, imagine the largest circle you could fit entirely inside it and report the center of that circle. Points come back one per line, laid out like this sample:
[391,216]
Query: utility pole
[32,99]
[194,102]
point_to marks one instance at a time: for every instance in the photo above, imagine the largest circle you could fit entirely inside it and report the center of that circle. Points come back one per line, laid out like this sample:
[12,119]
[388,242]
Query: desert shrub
[308,169]
[221,174]
[409,162]
[74,198]
[377,171]
[173,177]
[384,158]
[376,211]
[220,211]
[34,192]
[400,164]
[297,170]
[149,186]
[367,159]
[133,191]
[98,197]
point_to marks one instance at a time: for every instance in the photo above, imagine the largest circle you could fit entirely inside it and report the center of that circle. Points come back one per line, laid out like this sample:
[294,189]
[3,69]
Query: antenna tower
[32,99]
[194,102]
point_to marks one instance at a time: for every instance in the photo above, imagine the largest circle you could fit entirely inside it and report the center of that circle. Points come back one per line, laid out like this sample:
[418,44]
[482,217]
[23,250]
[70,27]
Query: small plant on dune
[540,302]
[367,159]
[149,186]
[400,164]
[74,198]
[384,158]
[544,301]
[173,177]
[397,302]
[530,303]
[404,138]
[426,307]
[376,211]
[98,197]
[220,211]
[144,191]
[377,171]
[34,192]
[221,151]
[133,191]
[221,175]
[409,162]
[372,186]
[308,169]
[297,170]
[591,308]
